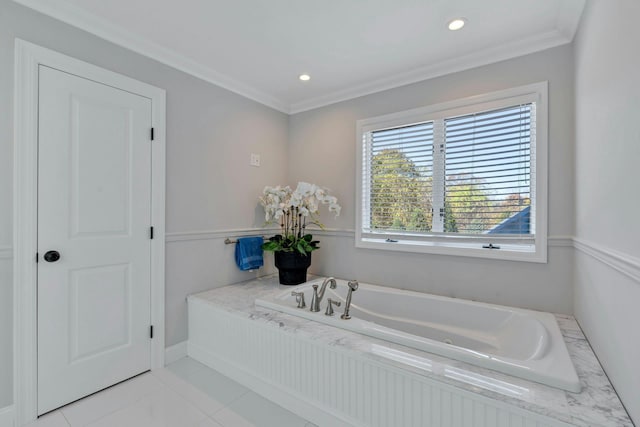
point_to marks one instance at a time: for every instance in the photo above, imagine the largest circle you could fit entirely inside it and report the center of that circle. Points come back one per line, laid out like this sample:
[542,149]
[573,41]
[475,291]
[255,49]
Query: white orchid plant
[293,209]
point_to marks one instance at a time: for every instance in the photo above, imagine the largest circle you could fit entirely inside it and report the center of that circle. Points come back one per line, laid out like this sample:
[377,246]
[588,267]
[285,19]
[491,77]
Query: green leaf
[291,243]
[271,245]
[301,247]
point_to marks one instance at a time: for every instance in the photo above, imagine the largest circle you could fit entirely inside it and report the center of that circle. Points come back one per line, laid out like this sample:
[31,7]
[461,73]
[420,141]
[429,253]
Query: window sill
[507,252]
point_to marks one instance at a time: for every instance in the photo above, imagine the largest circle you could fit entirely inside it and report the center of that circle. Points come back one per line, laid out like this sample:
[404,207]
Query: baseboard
[175,352]
[7,418]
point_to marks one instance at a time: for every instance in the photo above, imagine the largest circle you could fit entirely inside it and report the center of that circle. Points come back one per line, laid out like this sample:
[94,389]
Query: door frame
[28,58]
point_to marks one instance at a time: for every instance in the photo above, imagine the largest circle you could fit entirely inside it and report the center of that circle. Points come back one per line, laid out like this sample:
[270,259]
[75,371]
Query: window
[463,178]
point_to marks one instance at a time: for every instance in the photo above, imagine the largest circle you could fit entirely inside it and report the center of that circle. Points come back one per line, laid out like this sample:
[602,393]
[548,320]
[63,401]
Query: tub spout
[318,295]
[315,305]
[353,286]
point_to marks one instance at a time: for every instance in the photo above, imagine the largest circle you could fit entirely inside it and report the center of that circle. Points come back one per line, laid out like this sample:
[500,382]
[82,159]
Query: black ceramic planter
[292,267]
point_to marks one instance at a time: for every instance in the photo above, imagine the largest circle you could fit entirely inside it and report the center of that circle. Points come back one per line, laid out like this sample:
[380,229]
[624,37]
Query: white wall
[607,301]
[322,150]
[210,185]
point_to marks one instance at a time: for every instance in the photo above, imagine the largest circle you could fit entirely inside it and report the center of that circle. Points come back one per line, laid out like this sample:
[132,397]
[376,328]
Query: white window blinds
[400,179]
[466,177]
[488,172]
[462,175]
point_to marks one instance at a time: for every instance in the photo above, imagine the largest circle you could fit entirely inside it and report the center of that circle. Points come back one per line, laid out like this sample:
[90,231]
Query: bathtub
[523,343]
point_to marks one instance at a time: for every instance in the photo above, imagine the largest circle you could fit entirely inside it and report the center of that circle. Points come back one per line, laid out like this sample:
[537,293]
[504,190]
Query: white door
[94,208]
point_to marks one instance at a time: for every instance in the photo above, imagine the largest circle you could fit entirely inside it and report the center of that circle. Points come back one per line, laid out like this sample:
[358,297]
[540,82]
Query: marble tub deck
[596,405]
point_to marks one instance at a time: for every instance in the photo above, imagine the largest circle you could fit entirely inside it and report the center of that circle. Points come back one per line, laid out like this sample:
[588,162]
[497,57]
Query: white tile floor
[184,394]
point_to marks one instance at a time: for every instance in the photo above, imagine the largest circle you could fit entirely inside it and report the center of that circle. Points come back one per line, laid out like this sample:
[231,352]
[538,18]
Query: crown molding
[99,27]
[566,26]
[478,58]
[569,15]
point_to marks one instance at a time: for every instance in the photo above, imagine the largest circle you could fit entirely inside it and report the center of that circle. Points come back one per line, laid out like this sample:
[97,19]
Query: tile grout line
[218,423]
[151,393]
[185,397]
[130,403]
[197,423]
[226,406]
[212,416]
[205,369]
[166,385]
[65,418]
[105,415]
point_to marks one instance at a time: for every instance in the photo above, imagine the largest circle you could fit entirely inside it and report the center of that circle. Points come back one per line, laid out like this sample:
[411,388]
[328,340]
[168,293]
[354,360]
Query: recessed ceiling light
[456,24]
[305,77]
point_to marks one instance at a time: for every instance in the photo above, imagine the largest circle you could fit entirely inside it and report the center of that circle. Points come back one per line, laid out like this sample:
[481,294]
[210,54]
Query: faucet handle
[330,304]
[299,298]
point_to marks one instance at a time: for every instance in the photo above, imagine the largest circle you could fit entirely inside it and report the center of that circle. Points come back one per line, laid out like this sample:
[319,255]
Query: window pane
[488,172]
[401,162]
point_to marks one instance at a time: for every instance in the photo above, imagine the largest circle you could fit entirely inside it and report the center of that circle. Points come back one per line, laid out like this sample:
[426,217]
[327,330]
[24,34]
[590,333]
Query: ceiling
[257,48]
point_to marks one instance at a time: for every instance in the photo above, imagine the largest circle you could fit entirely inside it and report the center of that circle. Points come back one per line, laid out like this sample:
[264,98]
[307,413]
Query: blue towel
[249,253]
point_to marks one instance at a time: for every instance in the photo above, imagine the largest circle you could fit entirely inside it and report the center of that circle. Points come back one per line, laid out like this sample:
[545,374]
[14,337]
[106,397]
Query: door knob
[52,256]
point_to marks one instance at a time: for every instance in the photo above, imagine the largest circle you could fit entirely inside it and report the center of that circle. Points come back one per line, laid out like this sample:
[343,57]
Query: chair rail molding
[624,263]
[182,236]
[559,241]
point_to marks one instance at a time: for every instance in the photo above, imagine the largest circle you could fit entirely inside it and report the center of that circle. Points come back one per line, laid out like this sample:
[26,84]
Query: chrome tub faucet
[317,296]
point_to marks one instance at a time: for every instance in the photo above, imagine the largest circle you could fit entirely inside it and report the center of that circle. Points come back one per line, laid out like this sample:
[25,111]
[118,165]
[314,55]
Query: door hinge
[151,331]
[37,257]
[152,134]
[151,233]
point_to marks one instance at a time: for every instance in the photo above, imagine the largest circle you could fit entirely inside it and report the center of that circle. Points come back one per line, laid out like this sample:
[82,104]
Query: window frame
[512,248]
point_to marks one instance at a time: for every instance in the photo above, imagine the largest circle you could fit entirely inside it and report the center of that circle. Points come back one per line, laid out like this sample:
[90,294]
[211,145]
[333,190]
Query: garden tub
[523,343]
